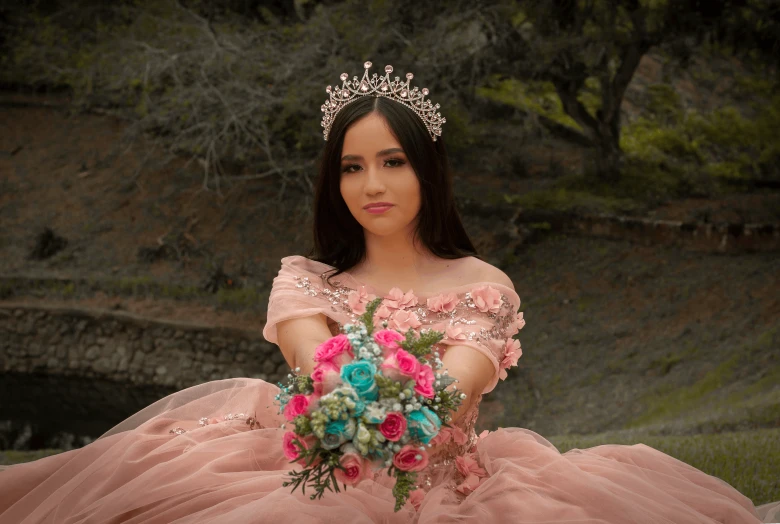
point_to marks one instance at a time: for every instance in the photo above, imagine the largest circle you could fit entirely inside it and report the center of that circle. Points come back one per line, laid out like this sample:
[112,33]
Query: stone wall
[702,236]
[126,348]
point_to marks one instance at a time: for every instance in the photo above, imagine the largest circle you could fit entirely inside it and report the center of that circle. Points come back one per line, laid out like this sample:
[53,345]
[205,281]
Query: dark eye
[398,162]
[346,169]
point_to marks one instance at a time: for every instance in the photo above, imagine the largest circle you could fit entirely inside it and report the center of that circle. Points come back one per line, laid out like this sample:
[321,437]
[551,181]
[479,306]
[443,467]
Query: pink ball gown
[213,453]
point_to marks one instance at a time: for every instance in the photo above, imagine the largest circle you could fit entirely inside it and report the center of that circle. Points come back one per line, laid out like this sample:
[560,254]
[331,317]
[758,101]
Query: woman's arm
[299,337]
[473,371]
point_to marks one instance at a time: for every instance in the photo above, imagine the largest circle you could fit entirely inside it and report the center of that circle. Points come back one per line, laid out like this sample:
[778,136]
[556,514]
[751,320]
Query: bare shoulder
[485,272]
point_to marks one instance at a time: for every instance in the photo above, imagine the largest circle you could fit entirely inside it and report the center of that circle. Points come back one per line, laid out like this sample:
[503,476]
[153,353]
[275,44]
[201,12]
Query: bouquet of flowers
[373,401]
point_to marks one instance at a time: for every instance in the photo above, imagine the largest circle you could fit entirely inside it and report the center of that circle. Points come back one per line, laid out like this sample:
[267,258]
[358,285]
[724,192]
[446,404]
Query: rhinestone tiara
[401,92]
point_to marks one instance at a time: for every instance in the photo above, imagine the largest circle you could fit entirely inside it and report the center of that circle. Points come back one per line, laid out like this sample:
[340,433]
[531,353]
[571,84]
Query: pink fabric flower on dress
[485,433]
[443,303]
[416,497]
[355,467]
[486,299]
[410,458]
[469,484]
[397,299]
[512,352]
[467,465]
[454,332]
[336,350]
[403,320]
[516,325]
[459,437]
[393,427]
[442,437]
[382,313]
[357,300]
[424,381]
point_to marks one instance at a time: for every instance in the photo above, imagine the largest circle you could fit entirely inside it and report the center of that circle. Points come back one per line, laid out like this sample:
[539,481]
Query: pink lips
[377,207]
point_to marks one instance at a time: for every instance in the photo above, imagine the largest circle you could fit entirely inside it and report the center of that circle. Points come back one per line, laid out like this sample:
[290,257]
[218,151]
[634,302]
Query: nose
[374,183]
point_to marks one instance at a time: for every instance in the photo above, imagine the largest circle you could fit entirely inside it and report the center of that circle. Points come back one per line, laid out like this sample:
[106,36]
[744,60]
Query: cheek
[347,192]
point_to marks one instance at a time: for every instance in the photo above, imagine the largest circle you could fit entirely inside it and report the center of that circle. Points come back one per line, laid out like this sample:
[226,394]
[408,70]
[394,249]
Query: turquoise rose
[360,375]
[338,432]
[423,425]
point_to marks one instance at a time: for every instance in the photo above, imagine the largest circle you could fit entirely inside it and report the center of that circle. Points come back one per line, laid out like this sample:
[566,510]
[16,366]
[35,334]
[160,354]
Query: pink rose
[424,381]
[400,366]
[410,458]
[469,484]
[336,350]
[358,299]
[520,321]
[485,433]
[394,426]
[297,405]
[444,302]
[454,332]
[486,299]
[322,369]
[403,320]
[326,377]
[512,352]
[416,497]
[291,451]
[397,299]
[467,465]
[354,467]
[388,339]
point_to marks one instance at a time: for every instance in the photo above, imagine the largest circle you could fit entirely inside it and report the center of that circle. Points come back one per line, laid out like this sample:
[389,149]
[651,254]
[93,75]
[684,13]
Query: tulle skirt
[191,457]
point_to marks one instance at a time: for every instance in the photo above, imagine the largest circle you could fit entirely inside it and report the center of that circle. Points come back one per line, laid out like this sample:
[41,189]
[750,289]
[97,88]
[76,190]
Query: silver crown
[376,85]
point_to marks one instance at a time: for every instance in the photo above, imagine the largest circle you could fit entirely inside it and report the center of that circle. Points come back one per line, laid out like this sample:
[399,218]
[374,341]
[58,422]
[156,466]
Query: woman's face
[374,168]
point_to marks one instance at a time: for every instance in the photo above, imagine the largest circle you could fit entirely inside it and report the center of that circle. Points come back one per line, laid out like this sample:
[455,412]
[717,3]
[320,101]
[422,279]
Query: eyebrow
[381,153]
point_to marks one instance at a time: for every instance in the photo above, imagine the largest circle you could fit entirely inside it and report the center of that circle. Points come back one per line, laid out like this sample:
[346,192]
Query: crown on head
[376,85]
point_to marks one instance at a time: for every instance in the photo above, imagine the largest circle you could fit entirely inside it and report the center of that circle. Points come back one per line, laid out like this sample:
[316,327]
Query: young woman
[385,226]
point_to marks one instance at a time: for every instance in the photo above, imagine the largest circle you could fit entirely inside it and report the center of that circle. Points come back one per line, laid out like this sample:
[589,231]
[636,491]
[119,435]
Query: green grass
[701,402]
[18,457]
[747,460]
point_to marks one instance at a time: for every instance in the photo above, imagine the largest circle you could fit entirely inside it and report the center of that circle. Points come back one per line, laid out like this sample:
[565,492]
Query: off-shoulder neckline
[453,289]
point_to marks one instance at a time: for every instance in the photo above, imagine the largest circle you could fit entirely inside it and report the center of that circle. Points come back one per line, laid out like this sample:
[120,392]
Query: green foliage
[321,476]
[242,297]
[302,425]
[387,386]
[405,481]
[367,318]
[419,345]
[540,97]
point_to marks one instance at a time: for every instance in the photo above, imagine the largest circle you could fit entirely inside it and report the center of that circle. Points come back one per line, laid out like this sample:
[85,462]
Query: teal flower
[344,429]
[360,375]
[423,425]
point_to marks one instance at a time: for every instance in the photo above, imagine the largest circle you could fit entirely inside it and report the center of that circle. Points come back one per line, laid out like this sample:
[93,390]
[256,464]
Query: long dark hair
[338,237]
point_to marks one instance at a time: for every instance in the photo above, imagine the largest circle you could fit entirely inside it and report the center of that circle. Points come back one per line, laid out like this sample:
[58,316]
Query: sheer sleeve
[299,291]
[486,320]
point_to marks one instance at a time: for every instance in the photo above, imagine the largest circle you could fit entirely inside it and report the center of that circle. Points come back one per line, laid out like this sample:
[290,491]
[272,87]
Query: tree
[578,44]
